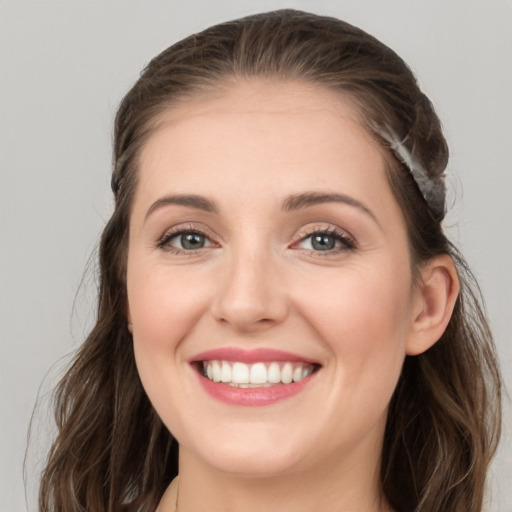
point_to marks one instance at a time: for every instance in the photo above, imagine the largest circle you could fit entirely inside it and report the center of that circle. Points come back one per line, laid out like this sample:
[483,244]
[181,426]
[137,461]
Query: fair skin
[292,241]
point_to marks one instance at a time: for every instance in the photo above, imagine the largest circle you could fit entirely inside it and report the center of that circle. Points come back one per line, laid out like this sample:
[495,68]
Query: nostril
[245,319]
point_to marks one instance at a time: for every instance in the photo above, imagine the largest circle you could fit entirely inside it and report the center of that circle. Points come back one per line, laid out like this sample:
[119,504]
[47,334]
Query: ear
[128,317]
[433,303]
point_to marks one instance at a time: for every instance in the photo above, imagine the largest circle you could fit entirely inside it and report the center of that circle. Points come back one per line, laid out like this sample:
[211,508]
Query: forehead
[246,100]
[259,132]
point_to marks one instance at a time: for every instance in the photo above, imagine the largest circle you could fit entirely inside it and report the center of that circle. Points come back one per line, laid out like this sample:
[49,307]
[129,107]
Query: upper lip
[258,355]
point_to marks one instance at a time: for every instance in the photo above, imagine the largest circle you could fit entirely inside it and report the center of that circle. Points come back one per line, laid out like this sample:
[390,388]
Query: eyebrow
[189,200]
[298,201]
[294,202]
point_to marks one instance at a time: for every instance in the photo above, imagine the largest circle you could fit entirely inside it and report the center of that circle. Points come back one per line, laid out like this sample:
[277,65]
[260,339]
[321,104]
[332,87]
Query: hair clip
[433,191]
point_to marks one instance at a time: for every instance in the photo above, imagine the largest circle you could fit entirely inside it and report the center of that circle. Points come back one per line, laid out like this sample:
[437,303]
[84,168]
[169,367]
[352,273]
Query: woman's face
[266,247]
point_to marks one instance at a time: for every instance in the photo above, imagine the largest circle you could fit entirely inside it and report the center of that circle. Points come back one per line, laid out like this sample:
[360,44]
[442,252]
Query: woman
[280,315]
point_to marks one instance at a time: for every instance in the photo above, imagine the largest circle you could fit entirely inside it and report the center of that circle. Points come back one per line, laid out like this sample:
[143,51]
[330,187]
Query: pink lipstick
[253,377]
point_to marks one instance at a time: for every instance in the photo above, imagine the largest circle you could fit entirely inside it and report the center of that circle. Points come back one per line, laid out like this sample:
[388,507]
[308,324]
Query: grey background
[64,66]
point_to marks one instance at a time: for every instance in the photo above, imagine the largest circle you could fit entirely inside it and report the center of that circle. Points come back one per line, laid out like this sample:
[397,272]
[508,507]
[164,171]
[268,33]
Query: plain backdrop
[64,66]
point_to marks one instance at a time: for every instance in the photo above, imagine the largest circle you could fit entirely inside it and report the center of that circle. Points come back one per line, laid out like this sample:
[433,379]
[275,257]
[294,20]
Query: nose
[251,296]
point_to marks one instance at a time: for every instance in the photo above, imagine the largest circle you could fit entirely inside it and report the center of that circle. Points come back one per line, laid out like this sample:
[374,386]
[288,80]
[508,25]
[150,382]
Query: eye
[321,242]
[184,241]
[326,240]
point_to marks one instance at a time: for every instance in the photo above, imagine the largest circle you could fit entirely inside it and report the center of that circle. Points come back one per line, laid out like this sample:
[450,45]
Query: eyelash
[347,243]
[163,242]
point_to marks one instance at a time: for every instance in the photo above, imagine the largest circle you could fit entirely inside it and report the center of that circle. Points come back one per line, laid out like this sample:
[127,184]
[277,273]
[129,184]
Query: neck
[350,487]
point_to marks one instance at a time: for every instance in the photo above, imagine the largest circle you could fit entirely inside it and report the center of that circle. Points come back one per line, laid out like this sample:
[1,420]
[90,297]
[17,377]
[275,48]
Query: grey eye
[328,241]
[323,242]
[190,241]
[185,241]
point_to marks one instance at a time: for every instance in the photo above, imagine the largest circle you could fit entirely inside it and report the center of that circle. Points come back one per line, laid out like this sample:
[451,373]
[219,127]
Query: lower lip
[253,396]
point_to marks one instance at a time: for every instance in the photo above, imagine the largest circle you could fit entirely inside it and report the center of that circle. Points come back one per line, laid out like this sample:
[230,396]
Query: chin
[254,465]
[250,457]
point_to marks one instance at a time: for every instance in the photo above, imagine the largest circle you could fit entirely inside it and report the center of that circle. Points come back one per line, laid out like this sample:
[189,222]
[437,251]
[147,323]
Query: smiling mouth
[256,375]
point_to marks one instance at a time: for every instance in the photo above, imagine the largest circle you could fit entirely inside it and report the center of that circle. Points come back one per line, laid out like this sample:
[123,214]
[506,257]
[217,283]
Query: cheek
[164,305]
[362,301]
[363,316]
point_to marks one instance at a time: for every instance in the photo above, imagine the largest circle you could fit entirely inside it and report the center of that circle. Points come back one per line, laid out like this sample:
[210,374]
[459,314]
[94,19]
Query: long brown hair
[113,453]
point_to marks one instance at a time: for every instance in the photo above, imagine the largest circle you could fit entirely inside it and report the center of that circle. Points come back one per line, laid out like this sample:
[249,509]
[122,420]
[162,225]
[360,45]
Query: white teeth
[256,375]
[274,373]
[240,373]
[225,372]
[287,373]
[216,371]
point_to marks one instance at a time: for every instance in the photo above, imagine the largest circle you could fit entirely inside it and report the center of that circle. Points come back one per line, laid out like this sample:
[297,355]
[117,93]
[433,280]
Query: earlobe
[436,297]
